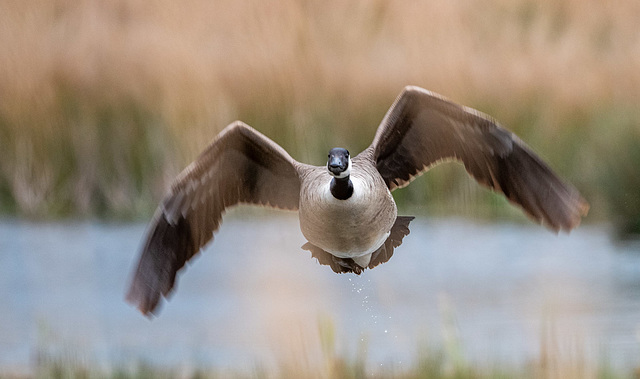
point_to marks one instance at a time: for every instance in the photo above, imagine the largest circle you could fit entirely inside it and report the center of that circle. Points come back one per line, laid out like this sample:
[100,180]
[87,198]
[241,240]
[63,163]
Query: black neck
[341,188]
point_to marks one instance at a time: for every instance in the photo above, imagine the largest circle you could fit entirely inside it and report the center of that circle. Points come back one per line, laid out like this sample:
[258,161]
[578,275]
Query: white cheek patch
[346,172]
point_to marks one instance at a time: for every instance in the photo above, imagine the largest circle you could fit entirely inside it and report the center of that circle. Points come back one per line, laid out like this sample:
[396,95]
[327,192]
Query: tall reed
[102,102]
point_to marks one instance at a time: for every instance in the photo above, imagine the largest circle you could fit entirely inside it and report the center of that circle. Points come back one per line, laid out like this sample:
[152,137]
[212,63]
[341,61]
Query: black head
[339,163]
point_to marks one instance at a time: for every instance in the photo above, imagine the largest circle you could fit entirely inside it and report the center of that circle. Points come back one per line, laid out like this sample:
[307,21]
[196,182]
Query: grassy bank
[432,365]
[557,359]
[102,103]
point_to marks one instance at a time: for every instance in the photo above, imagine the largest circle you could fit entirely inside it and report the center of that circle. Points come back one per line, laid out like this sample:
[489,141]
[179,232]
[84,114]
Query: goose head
[339,163]
[339,166]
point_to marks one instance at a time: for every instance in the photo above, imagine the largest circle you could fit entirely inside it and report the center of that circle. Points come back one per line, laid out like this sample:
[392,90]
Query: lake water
[500,293]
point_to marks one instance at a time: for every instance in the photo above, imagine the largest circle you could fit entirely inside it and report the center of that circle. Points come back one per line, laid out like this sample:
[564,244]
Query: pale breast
[346,228]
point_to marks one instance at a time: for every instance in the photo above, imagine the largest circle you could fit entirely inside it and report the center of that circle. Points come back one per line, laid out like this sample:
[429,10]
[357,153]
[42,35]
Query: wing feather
[240,166]
[422,129]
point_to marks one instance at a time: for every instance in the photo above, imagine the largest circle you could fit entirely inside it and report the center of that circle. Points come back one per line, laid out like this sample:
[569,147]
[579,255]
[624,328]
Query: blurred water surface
[498,293]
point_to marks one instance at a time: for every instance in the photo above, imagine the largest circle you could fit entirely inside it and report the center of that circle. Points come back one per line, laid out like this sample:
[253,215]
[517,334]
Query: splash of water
[381,323]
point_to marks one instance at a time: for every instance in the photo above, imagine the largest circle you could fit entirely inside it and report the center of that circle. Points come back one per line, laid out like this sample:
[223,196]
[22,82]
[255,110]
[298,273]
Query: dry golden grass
[86,85]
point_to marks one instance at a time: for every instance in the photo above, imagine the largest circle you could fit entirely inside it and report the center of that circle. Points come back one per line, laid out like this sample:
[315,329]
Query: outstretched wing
[240,166]
[422,129]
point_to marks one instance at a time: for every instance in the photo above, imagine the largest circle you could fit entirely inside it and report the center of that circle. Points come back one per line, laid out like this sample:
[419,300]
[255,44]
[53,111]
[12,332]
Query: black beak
[337,165]
[338,161]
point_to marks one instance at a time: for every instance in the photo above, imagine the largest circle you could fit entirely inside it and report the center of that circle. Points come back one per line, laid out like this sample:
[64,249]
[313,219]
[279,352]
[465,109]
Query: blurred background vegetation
[102,103]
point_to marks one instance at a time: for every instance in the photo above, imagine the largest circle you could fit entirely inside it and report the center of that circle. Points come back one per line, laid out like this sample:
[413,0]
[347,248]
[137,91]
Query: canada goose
[346,210]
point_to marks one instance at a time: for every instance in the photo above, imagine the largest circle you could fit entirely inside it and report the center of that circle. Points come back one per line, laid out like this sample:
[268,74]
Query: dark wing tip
[167,249]
[576,210]
[143,297]
[530,183]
